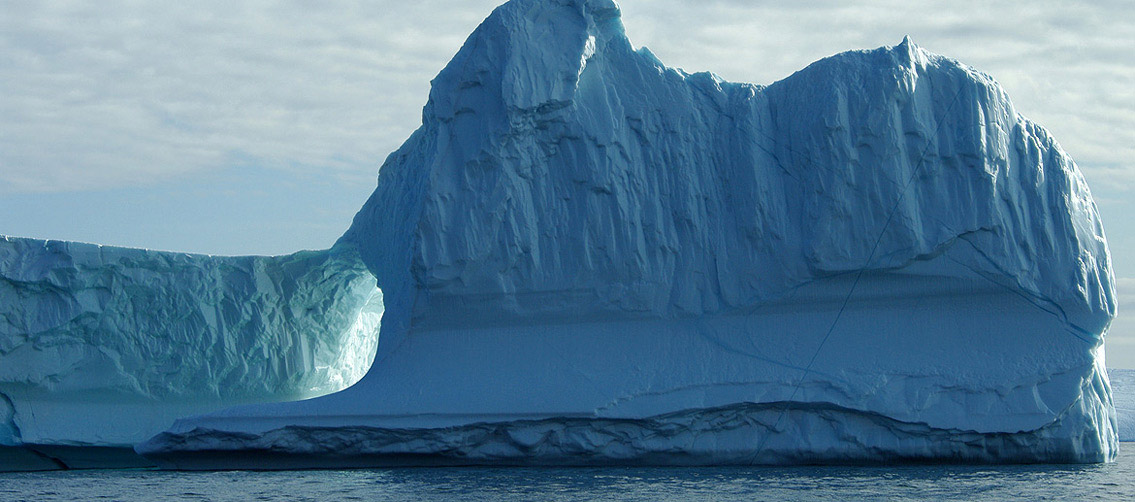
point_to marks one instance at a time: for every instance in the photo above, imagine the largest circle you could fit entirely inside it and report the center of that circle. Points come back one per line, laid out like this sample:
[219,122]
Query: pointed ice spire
[909,53]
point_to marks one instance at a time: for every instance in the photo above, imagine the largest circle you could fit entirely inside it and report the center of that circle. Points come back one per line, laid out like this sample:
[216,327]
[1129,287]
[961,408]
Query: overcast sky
[235,127]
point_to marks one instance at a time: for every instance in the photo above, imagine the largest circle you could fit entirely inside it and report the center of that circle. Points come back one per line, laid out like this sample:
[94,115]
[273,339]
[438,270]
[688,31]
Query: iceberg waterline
[588,257]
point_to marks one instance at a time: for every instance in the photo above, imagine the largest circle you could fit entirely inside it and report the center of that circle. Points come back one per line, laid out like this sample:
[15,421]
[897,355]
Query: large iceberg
[587,257]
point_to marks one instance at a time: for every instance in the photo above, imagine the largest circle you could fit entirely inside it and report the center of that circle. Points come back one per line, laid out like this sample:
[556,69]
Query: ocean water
[1115,481]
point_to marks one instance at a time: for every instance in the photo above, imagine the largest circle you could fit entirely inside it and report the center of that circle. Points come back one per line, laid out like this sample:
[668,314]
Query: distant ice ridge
[589,257]
[107,346]
[1123,383]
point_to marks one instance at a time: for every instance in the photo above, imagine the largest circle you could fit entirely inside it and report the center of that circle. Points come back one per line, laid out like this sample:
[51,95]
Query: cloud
[110,94]
[1125,288]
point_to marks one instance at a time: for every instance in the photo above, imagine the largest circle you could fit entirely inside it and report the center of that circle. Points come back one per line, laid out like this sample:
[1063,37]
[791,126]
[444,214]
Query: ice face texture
[107,346]
[589,257]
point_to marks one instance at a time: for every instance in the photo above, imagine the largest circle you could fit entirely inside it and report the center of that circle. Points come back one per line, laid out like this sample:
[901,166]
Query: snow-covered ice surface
[589,257]
[1123,392]
[107,346]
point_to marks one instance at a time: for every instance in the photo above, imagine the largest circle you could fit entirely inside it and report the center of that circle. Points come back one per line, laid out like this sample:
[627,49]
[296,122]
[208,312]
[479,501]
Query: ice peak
[528,55]
[910,53]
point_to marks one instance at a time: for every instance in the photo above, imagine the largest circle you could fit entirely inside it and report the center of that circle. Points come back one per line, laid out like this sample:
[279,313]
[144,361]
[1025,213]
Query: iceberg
[587,257]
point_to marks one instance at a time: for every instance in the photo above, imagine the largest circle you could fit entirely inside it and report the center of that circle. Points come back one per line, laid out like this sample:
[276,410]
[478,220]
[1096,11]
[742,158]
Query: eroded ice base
[771,433]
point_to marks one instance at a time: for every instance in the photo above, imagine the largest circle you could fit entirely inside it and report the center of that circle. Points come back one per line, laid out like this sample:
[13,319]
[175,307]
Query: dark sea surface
[1114,481]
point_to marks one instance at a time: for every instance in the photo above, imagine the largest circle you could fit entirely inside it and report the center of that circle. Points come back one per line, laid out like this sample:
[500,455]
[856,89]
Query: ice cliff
[107,346]
[588,257]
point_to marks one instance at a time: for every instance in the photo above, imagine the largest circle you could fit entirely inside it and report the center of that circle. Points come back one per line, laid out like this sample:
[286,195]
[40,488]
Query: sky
[257,127]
